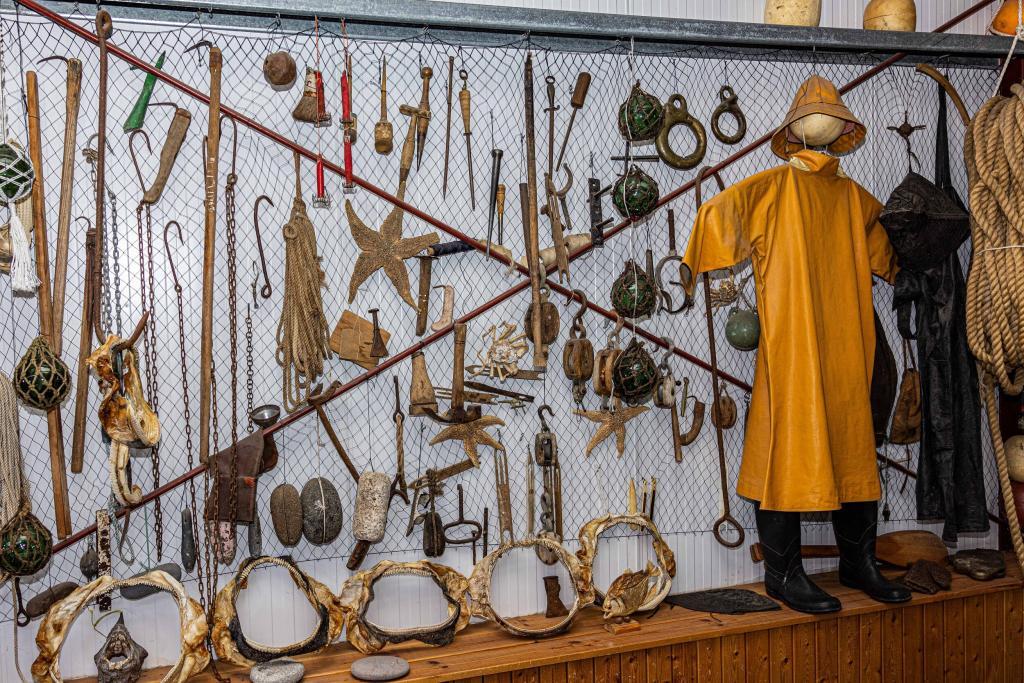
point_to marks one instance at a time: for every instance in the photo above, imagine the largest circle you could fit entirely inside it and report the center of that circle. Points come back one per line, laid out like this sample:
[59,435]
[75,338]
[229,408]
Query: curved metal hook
[88,225]
[170,258]
[54,58]
[234,138]
[135,159]
[666,298]
[266,291]
[540,413]
[568,183]
[669,352]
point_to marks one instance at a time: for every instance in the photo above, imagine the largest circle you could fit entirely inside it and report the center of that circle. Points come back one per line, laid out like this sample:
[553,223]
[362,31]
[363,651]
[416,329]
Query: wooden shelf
[484,650]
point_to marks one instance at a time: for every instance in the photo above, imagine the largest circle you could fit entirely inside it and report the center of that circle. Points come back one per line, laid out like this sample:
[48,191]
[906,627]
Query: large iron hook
[170,258]
[56,57]
[135,159]
[234,143]
[540,413]
[266,291]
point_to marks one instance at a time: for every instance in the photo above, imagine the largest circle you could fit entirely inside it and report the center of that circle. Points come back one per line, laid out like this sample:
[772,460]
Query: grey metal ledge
[486,25]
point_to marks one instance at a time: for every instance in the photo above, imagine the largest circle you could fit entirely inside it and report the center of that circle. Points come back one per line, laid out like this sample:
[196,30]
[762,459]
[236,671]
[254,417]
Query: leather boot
[856,526]
[784,576]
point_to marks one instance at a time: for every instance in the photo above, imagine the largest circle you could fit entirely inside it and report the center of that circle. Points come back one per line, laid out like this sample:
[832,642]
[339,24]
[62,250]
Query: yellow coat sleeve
[720,236]
[881,254]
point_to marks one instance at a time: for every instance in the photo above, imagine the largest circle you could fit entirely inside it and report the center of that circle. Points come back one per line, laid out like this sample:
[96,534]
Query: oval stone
[144,591]
[286,514]
[282,670]
[380,668]
[321,511]
[255,538]
[188,542]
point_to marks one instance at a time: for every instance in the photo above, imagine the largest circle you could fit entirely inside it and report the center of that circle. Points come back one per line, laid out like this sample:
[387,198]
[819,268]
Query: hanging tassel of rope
[994,154]
[302,333]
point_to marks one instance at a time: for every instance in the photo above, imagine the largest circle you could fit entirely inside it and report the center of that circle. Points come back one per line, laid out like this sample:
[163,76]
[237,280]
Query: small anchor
[905,130]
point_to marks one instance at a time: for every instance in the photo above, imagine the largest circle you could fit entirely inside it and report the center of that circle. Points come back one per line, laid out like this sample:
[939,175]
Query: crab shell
[628,592]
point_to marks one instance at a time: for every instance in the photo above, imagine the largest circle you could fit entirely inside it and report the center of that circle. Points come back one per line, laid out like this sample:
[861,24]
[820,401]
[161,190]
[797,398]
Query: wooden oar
[898,548]
[67,182]
[54,430]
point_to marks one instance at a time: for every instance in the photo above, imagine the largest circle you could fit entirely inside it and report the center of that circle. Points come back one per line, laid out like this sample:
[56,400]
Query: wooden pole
[67,184]
[54,431]
[209,255]
[540,357]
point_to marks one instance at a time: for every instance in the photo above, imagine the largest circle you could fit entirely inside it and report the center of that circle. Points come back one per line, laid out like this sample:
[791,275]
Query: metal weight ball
[743,329]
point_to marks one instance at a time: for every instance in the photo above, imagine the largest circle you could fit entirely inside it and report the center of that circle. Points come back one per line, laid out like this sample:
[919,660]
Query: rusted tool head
[410,110]
[55,58]
[200,44]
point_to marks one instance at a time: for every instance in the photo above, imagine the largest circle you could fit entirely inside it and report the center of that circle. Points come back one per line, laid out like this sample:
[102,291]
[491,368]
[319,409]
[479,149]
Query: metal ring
[730,105]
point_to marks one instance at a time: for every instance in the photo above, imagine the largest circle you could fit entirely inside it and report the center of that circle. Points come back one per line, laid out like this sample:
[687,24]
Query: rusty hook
[201,43]
[540,413]
[170,258]
[577,318]
[266,291]
[55,57]
[135,160]
[234,143]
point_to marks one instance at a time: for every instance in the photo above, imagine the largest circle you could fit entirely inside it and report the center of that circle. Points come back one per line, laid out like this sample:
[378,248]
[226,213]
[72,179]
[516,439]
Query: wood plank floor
[975,632]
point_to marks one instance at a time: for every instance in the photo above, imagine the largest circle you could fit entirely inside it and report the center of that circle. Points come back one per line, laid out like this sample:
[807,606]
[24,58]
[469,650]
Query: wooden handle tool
[467,132]
[423,123]
[530,218]
[72,100]
[448,127]
[209,250]
[89,295]
[423,300]
[168,154]
[54,430]
[579,98]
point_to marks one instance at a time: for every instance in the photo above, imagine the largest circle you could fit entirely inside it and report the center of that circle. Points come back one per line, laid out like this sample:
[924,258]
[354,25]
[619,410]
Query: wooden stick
[54,431]
[67,184]
[540,356]
[89,294]
[209,255]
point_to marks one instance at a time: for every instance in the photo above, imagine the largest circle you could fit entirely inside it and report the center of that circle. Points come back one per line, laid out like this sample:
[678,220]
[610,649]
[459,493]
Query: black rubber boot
[856,526]
[784,576]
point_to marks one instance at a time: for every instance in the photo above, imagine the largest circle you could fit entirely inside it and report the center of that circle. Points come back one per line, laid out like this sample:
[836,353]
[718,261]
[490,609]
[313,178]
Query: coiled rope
[994,154]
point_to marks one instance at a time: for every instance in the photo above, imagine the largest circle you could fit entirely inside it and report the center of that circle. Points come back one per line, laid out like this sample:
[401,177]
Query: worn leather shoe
[856,527]
[784,576]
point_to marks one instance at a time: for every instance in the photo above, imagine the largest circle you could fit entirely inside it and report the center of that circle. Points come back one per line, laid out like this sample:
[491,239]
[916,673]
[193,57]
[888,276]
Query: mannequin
[810,438]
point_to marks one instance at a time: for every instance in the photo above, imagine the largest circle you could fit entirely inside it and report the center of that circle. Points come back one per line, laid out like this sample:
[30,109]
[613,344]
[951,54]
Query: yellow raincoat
[814,240]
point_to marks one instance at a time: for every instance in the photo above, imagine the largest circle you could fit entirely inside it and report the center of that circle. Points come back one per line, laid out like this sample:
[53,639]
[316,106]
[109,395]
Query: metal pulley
[545,443]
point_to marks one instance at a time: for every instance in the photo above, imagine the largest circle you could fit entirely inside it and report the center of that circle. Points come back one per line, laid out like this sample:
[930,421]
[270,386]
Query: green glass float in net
[633,292]
[635,194]
[635,374]
[640,116]
[41,379]
[25,545]
[16,173]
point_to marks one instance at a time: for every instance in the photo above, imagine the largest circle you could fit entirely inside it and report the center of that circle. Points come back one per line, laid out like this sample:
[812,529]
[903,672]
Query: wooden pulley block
[724,412]
[549,321]
[677,114]
[604,363]
[578,351]
[665,392]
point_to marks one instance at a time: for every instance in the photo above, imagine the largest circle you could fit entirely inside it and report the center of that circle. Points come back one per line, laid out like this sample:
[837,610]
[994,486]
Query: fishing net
[688,498]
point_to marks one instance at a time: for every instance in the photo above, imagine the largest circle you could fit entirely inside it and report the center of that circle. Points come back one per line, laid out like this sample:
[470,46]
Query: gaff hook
[170,258]
[266,291]
[135,159]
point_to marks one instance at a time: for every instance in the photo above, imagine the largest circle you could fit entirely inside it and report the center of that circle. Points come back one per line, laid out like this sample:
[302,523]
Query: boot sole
[778,596]
[856,586]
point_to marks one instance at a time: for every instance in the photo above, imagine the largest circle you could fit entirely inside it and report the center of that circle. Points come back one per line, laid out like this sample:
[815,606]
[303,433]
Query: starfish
[611,422]
[385,250]
[472,434]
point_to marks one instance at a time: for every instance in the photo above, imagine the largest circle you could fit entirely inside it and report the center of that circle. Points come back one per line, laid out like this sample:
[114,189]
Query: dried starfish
[611,422]
[472,434]
[385,250]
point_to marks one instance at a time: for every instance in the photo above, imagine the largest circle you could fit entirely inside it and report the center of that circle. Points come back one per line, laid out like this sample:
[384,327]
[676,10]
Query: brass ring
[677,114]
[730,105]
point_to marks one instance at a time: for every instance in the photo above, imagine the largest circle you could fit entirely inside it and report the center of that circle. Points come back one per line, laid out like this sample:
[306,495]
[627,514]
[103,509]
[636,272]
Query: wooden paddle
[898,548]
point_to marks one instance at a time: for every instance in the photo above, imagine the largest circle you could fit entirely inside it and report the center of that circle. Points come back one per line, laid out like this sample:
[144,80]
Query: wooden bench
[975,632]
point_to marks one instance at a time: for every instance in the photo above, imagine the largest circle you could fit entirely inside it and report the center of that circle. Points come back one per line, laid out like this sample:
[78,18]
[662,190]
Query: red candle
[321,188]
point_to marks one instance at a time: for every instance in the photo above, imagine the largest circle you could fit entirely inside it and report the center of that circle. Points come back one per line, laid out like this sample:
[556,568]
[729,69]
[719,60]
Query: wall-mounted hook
[266,290]
[170,257]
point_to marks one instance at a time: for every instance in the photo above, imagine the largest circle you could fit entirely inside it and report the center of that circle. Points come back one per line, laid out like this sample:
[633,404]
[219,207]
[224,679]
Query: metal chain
[146,286]
[232,233]
[250,380]
[113,255]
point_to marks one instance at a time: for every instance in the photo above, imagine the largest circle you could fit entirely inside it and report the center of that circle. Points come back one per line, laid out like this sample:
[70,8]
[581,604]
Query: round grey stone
[286,513]
[380,668]
[282,670]
[255,538]
[321,511]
